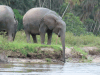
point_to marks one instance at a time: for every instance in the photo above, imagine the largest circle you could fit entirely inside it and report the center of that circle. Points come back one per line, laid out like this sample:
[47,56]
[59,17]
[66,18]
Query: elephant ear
[50,21]
[59,23]
[42,27]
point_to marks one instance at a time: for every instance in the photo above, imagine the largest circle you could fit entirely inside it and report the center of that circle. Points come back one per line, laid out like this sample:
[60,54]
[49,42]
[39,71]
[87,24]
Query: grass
[70,40]
[82,40]
[20,44]
[48,59]
[24,48]
[81,52]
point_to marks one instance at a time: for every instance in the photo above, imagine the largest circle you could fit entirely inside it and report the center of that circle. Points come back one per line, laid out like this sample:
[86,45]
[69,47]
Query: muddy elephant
[8,22]
[38,21]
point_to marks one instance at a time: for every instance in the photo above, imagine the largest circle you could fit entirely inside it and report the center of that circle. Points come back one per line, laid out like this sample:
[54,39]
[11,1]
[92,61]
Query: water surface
[50,69]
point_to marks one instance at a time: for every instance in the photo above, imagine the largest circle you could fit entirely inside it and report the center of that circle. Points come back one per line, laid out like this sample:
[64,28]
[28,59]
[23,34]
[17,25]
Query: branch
[39,3]
[50,4]
[43,3]
[65,10]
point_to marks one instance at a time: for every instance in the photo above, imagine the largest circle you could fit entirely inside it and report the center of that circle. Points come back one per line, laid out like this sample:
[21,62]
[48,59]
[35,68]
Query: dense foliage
[19,18]
[73,24]
[89,13]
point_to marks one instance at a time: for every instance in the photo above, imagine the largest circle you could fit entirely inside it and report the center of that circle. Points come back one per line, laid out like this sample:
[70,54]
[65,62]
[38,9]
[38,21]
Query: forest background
[81,17]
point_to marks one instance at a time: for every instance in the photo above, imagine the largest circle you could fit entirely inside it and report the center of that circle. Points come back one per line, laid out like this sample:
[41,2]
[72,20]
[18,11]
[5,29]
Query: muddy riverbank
[45,55]
[41,55]
[85,54]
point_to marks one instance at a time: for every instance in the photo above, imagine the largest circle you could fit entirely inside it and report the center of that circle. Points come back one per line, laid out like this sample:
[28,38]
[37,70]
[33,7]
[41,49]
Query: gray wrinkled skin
[8,22]
[38,21]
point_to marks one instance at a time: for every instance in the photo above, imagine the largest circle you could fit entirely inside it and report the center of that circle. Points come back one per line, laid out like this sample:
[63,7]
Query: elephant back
[34,16]
[6,12]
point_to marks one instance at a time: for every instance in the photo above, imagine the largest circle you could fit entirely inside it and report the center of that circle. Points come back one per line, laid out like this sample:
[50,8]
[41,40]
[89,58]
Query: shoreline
[27,60]
[92,56]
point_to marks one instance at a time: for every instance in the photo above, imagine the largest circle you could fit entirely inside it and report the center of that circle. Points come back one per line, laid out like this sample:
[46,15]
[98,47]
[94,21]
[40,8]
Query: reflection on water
[50,69]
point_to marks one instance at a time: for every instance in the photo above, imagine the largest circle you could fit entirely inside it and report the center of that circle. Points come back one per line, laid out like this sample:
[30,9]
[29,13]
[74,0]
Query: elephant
[8,22]
[38,21]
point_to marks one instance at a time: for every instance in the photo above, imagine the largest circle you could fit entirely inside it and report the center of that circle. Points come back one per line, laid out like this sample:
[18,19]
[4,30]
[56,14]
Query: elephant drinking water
[38,21]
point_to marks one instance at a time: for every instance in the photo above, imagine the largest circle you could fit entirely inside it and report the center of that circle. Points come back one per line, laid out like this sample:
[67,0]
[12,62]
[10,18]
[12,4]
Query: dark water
[50,69]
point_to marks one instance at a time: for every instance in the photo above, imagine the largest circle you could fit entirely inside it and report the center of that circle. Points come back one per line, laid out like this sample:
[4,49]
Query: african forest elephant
[8,22]
[38,21]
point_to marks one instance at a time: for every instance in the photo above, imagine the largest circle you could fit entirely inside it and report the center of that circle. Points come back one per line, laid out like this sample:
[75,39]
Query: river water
[50,69]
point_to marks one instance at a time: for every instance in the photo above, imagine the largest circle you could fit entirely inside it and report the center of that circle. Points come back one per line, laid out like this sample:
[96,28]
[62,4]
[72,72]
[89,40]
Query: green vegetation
[19,18]
[20,45]
[32,50]
[23,47]
[73,24]
[81,52]
[70,40]
[88,11]
[48,59]
[82,40]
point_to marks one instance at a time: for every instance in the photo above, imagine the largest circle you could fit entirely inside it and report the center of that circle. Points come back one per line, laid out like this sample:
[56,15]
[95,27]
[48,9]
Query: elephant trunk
[63,44]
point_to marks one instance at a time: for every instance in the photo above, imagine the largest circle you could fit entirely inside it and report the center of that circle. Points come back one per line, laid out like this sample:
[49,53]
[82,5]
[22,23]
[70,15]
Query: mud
[93,55]
[44,55]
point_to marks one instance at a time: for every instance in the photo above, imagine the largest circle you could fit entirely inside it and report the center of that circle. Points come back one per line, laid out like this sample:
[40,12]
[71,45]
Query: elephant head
[57,25]
[60,30]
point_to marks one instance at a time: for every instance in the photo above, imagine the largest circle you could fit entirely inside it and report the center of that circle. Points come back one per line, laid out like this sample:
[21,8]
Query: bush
[92,26]
[73,24]
[89,24]
[19,18]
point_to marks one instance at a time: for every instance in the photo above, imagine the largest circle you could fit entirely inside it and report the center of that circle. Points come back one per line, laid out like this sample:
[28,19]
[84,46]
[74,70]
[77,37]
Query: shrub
[19,18]
[92,26]
[73,24]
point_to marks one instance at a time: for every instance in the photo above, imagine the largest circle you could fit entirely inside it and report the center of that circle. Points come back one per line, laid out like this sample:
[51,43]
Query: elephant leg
[10,36]
[27,36]
[42,31]
[34,38]
[42,35]
[13,35]
[49,37]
